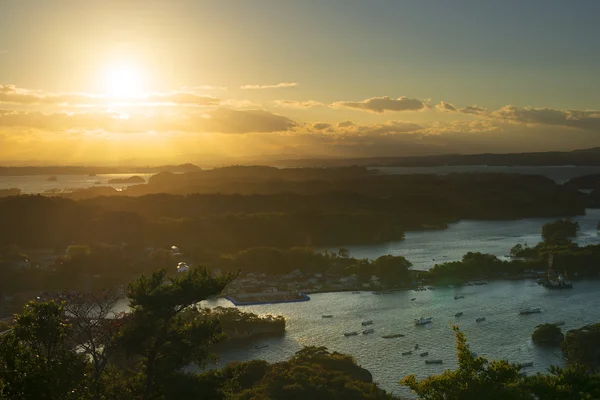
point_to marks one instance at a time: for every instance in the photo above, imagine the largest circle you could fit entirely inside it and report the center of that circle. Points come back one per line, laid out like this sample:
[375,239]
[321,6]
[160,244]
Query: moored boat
[423,321]
[530,311]
[424,354]
[459,314]
[407,353]
[365,323]
[261,346]
[458,297]
[434,361]
[395,335]
[413,299]
[480,319]
[354,333]
[367,331]
[327,316]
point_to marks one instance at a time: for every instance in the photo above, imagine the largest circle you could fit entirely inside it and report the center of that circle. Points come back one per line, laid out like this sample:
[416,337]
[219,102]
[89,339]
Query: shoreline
[425,287]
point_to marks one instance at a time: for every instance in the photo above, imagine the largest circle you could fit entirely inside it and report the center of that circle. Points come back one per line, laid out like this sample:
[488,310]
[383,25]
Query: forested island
[234,208]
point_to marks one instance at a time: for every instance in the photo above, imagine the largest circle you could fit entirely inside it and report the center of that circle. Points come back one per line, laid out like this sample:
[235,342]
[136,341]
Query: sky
[157,81]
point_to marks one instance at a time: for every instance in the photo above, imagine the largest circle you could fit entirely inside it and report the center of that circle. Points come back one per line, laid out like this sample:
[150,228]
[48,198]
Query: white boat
[365,323]
[354,333]
[423,321]
[434,361]
[530,311]
[481,319]
[367,331]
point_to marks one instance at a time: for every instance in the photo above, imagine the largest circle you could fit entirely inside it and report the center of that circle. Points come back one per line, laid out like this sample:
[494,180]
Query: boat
[413,299]
[559,323]
[458,297]
[417,346]
[407,353]
[527,364]
[459,314]
[425,354]
[560,283]
[423,321]
[481,319]
[394,336]
[367,331]
[356,292]
[527,311]
[434,361]
[262,346]
[354,333]
[327,316]
[365,323]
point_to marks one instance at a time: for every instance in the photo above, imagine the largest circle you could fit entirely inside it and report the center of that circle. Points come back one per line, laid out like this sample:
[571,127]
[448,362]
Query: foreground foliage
[478,378]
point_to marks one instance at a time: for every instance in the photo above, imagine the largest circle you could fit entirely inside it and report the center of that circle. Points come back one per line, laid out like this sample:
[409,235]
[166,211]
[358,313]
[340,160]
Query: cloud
[473,109]
[321,126]
[345,124]
[277,86]
[220,120]
[182,98]
[201,88]
[443,106]
[448,107]
[298,104]
[10,94]
[383,104]
[584,120]
[225,120]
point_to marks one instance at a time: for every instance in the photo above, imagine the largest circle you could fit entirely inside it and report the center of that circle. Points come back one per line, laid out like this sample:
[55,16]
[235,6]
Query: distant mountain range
[584,157]
[94,170]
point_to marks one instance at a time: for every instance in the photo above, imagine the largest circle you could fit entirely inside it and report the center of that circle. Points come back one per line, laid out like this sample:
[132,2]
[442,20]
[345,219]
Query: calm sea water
[33,184]
[504,335]
[426,248]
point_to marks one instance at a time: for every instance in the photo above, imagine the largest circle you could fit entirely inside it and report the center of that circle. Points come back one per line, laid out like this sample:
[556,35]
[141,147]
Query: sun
[124,81]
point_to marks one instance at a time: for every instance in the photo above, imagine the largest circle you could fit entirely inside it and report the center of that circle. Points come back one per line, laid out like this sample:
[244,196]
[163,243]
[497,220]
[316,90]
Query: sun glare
[124,81]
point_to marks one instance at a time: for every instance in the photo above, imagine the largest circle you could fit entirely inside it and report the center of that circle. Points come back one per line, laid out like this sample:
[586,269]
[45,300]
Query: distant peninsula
[131,179]
[94,170]
[584,157]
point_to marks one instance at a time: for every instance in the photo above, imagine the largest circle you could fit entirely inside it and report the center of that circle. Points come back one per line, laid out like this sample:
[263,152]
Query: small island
[547,335]
[243,325]
[131,179]
[581,346]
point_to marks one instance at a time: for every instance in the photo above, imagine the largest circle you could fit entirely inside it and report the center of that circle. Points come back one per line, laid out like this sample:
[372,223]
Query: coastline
[425,286]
